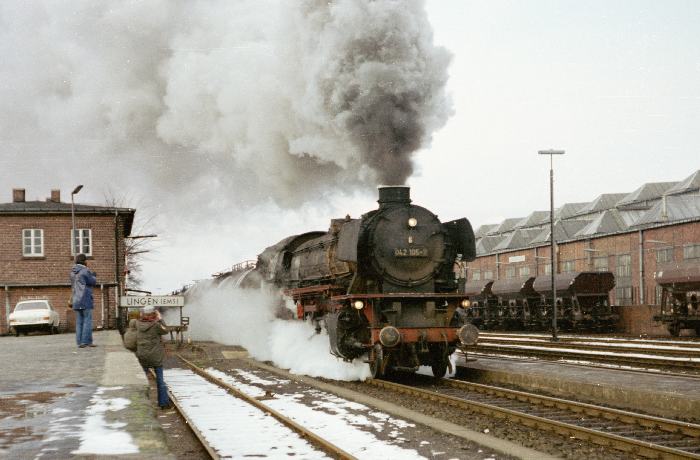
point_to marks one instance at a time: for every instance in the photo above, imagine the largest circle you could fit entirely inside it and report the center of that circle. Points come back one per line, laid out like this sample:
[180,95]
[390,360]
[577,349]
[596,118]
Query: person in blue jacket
[82,280]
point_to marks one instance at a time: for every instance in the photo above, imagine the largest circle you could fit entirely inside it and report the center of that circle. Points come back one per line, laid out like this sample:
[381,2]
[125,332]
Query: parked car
[34,315]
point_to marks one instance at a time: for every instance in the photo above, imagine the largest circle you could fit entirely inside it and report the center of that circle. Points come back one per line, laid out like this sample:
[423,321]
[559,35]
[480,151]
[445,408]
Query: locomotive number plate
[411,252]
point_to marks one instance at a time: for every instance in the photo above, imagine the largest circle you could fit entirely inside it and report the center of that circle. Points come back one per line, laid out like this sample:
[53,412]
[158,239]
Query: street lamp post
[72,215]
[551,154]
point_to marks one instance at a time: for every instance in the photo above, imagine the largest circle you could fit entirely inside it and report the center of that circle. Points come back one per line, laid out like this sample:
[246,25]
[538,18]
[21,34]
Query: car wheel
[16,332]
[54,329]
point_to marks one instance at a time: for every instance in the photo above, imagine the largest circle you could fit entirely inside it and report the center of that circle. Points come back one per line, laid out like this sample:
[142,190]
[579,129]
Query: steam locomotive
[382,285]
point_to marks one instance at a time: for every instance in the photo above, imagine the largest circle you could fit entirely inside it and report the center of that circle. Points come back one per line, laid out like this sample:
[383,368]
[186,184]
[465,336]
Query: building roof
[603,202]
[689,184]
[568,210]
[609,221]
[671,209]
[563,230]
[487,243]
[506,226]
[534,219]
[609,213]
[53,207]
[518,239]
[647,192]
[484,229]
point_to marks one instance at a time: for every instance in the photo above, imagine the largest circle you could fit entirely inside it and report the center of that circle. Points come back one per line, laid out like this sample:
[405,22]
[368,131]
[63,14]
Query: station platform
[657,394]
[61,401]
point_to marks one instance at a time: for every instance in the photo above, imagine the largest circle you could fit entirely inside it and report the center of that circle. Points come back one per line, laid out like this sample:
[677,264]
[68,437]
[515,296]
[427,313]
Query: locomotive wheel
[439,367]
[375,366]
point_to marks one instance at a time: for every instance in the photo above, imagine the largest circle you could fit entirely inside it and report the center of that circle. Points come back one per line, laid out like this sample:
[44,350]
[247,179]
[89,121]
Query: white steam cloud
[245,317]
[243,101]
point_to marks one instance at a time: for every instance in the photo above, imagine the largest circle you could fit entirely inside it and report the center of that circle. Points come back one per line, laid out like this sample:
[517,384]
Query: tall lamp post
[551,154]
[72,215]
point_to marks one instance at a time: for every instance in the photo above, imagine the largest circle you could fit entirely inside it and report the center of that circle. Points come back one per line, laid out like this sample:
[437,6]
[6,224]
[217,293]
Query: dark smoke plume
[220,103]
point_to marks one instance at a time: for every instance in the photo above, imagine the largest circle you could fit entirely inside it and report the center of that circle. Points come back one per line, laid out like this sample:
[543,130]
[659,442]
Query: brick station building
[36,254]
[632,235]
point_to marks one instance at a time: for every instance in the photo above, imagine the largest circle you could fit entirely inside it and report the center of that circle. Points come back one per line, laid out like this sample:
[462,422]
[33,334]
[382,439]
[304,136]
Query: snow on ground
[342,422]
[97,436]
[234,428]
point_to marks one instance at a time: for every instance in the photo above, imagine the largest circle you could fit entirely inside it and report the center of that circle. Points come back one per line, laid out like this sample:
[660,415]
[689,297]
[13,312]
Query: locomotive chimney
[393,195]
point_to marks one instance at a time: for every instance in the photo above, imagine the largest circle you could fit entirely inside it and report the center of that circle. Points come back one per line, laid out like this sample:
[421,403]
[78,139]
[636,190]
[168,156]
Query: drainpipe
[7,308]
[498,267]
[117,290]
[641,268]
[102,303]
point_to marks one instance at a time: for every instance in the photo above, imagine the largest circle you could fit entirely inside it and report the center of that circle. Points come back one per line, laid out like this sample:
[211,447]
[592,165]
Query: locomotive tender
[383,284]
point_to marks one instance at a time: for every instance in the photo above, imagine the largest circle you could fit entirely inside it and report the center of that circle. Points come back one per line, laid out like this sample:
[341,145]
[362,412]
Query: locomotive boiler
[382,285]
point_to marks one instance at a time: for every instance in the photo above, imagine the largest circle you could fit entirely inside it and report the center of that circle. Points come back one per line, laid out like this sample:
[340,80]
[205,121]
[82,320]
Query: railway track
[638,434]
[322,444]
[682,357]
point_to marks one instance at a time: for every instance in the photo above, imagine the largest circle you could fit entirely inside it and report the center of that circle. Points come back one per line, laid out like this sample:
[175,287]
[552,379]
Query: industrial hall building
[37,254]
[633,235]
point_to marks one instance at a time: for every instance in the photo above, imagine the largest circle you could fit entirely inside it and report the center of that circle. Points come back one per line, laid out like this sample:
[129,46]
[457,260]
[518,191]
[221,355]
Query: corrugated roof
[646,192]
[608,221]
[505,226]
[603,202]
[563,230]
[631,216]
[568,210]
[484,229]
[485,244]
[689,184]
[671,208]
[600,216]
[535,218]
[518,239]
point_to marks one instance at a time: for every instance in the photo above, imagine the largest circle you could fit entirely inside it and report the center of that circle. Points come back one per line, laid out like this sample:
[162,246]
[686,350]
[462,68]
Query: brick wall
[638,320]
[53,268]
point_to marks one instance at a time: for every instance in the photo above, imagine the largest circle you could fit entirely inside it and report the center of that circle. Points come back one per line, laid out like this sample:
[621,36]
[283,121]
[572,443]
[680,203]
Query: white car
[32,315]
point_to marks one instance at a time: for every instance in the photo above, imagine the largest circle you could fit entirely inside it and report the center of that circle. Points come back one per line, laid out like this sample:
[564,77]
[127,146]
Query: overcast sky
[615,84]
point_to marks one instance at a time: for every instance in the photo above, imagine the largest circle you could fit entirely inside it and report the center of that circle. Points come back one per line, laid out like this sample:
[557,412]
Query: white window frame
[523,271]
[32,246]
[81,232]
[691,251]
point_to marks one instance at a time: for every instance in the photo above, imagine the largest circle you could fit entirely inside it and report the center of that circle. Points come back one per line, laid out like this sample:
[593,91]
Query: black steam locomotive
[382,285]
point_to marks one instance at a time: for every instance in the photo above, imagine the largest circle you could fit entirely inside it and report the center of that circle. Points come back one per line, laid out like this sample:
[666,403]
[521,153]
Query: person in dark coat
[150,350]
[82,280]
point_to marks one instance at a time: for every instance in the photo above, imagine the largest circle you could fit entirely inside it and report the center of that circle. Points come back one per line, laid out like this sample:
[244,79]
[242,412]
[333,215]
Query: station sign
[139,301]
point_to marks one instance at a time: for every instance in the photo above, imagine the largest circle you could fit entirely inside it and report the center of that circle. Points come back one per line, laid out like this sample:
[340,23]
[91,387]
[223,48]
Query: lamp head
[77,189]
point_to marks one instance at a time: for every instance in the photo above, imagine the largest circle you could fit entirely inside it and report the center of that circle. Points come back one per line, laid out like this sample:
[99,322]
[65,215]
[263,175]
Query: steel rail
[616,358]
[684,352]
[680,342]
[595,365]
[329,448]
[617,441]
[190,423]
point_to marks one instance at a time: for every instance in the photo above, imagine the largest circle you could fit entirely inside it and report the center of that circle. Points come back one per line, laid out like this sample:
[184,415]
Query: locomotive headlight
[466,303]
[412,222]
[358,304]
